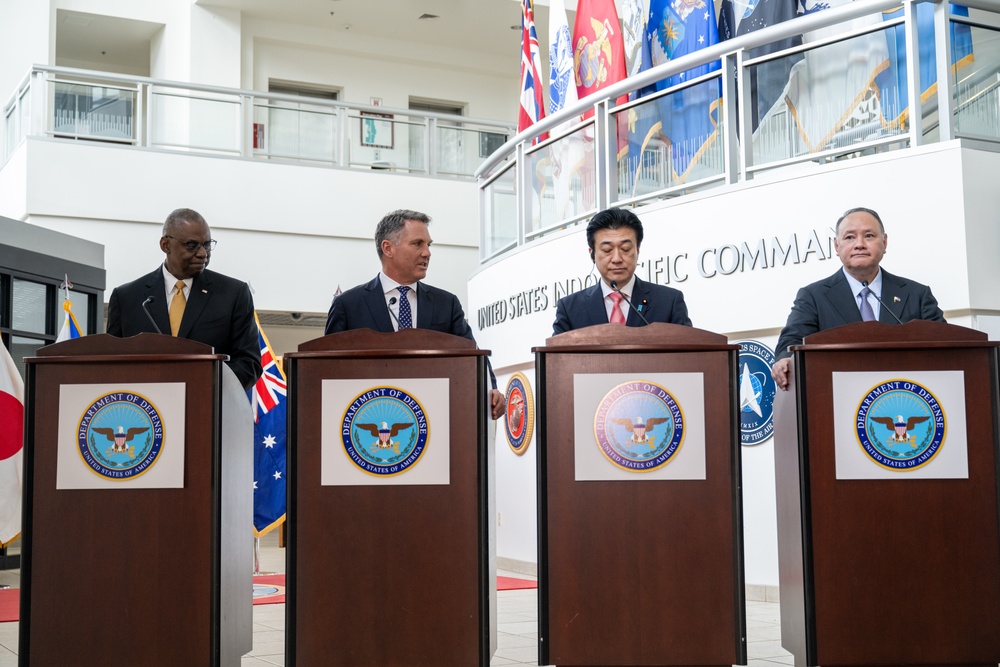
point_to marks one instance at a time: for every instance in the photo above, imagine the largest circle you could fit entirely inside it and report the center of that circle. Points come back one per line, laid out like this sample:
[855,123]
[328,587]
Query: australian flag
[268,397]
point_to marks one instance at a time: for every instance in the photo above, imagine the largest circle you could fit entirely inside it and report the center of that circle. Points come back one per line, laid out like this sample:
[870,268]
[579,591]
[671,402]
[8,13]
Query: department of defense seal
[520,420]
[639,426]
[757,391]
[900,425]
[120,435]
[384,431]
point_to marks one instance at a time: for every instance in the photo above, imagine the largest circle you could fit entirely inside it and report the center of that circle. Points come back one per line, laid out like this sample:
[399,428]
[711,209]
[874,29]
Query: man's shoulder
[901,282]
[436,293]
[358,291]
[140,283]
[826,283]
[580,295]
[217,278]
[642,285]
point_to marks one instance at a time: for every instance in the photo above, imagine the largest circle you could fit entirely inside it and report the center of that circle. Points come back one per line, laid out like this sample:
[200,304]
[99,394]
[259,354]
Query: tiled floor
[517,639]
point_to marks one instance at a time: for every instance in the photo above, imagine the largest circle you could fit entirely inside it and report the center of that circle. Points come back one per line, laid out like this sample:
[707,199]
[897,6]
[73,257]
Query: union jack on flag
[268,397]
[532,104]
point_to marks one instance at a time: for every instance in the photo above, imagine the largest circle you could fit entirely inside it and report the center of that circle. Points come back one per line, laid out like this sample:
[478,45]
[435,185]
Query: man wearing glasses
[183,298]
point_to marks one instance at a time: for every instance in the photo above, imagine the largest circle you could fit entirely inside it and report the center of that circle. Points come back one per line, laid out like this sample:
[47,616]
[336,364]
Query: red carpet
[269,589]
[514,584]
[10,600]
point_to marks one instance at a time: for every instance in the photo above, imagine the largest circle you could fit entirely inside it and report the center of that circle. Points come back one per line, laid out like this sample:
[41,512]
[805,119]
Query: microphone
[392,302]
[864,283]
[614,286]
[145,309]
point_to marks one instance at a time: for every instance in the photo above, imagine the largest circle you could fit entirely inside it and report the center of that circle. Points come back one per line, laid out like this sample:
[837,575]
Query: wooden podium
[638,570]
[884,563]
[123,575]
[388,567]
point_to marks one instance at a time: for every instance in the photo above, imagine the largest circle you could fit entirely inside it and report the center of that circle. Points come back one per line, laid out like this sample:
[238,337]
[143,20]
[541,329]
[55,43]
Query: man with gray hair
[397,299]
[183,298]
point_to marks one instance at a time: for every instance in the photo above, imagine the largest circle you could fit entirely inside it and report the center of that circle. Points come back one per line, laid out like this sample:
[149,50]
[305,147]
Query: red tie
[616,310]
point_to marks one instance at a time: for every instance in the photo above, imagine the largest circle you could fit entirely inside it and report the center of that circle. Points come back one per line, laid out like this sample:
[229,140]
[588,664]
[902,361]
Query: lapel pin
[895,299]
[204,291]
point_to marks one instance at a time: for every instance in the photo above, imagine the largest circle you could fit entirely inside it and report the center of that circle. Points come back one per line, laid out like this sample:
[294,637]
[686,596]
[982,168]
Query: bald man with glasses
[183,298]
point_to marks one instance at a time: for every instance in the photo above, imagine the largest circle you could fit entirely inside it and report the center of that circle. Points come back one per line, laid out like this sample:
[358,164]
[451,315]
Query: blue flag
[268,397]
[687,120]
[894,98]
[70,328]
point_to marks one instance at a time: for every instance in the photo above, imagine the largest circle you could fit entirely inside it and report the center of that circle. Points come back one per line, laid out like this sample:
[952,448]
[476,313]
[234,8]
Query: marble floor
[517,614]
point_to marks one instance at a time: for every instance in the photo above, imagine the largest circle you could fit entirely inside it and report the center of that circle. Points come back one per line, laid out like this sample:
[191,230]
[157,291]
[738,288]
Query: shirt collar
[390,285]
[875,285]
[170,280]
[627,288]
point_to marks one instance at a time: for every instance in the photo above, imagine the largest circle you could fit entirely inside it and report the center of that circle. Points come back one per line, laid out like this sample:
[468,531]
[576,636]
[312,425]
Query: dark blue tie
[405,316]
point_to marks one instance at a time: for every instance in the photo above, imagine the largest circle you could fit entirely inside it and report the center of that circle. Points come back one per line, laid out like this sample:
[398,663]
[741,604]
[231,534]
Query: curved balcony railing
[850,89]
[151,113]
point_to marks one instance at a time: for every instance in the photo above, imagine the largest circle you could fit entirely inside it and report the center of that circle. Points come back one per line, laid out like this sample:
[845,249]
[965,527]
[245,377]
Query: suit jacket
[830,303]
[219,313]
[586,307]
[364,307]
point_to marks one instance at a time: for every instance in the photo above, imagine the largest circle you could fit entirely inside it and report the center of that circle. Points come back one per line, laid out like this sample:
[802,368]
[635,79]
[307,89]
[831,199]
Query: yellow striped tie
[177,305]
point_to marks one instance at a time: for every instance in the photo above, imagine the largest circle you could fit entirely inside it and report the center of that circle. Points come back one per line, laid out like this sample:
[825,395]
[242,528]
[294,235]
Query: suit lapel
[425,307]
[641,300]
[201,292]
[839,295]
[893,295]
[375,298]
[596,311]
[158,307]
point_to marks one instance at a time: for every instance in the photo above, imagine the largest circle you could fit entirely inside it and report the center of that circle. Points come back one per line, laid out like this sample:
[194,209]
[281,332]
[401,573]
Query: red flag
[532,104]
[598,48]
[11,435]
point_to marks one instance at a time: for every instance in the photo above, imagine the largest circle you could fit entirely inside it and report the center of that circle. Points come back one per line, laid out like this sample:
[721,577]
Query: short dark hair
[392,224]
[859,209]
[181,215]
[614,218]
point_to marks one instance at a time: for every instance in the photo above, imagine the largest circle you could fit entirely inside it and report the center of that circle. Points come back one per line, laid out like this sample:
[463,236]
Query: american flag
[532,104]
[268,397]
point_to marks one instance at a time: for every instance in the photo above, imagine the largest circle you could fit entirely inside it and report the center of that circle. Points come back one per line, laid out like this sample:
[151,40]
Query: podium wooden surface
[648,572]
[139,576]
[388,574]
[887,572]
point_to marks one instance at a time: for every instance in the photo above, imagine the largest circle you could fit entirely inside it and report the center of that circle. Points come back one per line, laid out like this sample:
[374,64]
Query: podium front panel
[644,572]
[122,572]
[380,574]
[903,570]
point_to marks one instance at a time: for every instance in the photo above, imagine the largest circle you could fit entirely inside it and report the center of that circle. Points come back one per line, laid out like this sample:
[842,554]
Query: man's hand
[498,404]
[782,373]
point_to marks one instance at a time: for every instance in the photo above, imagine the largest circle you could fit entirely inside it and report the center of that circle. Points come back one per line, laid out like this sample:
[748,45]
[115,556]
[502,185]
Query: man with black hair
[614,236]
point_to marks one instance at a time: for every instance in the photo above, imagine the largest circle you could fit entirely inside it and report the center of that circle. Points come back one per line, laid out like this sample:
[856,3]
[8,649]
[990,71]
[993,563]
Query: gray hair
[391,226]
[181,215]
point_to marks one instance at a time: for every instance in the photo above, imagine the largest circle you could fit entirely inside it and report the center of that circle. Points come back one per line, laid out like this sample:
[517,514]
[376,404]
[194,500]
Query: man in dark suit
[187,300]
[853,293]
[614,237]
[396,299]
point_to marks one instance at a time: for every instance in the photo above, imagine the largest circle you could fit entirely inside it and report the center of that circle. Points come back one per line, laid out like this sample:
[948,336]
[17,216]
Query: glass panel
[10,136]
[836,96]
[500,225]
[21,347]
[461,150]
[187,122]
[29,306]
[383,141]
[977,83]
[562,178]
[81,109]
[305,132]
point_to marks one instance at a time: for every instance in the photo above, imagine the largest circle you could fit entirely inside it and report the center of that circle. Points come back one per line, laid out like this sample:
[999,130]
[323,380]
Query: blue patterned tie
[405,317]
[867,313]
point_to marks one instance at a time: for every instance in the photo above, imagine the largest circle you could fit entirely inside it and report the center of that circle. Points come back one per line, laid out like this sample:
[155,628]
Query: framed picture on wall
[377,130]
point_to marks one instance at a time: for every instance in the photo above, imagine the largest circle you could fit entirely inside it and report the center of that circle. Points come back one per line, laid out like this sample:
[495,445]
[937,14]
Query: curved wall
[739,254]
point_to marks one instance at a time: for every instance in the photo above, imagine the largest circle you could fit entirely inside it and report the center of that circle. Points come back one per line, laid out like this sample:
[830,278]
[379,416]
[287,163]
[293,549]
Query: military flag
[532,107]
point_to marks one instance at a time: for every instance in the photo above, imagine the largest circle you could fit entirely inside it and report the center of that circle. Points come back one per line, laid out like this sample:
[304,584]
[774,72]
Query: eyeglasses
[192,246]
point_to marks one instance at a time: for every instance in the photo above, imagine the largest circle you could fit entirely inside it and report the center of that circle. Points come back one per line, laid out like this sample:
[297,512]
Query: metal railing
[846,93]
[169,115]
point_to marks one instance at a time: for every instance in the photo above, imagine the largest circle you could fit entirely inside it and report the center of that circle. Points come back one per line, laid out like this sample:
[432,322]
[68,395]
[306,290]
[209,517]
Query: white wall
[24,40]
[939,205]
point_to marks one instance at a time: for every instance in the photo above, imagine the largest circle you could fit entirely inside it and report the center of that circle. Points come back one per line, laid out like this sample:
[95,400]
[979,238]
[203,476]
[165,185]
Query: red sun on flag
[12,433]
